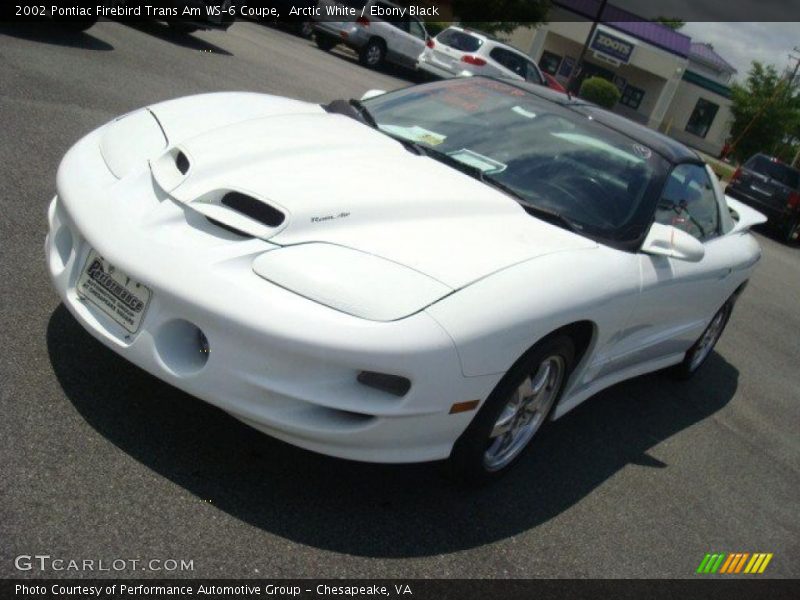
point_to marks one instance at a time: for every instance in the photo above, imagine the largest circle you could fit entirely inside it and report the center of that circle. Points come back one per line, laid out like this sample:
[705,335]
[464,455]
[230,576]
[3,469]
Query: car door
[678,298]
[507,63]
[416,36]
[532,72]
[393,31]
[406,40]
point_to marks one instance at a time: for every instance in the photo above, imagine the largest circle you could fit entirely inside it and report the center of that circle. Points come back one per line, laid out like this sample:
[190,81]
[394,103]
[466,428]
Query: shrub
[600,91]
[436,27]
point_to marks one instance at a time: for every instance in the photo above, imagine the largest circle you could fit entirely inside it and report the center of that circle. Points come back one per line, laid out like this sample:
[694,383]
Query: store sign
[612,46]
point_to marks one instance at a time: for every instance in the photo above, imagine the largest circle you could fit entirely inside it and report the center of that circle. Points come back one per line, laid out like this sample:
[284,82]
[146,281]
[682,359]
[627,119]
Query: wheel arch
[378,39]
[583,334]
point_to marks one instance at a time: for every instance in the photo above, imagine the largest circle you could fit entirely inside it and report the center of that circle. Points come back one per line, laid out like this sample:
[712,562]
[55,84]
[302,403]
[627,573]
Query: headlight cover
[350,281]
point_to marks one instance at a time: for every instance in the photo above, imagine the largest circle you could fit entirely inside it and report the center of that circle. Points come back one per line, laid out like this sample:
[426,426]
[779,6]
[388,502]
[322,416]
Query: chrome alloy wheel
[373,55]
[708,340]
[524,413]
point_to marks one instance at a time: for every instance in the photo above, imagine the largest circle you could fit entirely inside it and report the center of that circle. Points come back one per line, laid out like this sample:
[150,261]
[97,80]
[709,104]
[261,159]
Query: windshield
[460,40]
[549,156]
[774,170]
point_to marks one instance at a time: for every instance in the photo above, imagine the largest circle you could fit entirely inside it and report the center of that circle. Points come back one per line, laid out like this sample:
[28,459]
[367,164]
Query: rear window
[774,170]
[459,40]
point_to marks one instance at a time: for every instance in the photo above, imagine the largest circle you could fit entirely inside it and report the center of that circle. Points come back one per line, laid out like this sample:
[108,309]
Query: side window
[509,60]
[532,73]
[688,202]
[417,30]
[550,62]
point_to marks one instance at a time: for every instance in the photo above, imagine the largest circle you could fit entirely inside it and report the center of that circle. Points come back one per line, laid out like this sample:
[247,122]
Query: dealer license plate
[113,292]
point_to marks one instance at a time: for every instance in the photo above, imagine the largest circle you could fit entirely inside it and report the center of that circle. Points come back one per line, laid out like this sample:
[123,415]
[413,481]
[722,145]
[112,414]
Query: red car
[553,83]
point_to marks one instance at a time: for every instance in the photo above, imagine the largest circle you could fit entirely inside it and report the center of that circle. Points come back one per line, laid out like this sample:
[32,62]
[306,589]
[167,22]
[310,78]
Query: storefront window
[549,62]
[702,117]
[631,96]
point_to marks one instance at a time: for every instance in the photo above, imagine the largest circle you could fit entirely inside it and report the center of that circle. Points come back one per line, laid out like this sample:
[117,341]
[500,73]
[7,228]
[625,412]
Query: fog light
[391,384]
[202,341]
[182,347]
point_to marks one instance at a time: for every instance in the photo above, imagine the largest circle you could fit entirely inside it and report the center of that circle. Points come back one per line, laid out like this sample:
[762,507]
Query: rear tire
[701,350]
[373,54]
[305,29]
[514,412]
[324,42]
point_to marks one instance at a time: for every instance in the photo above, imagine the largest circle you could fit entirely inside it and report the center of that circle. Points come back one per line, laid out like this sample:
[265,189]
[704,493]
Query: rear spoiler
[743,216]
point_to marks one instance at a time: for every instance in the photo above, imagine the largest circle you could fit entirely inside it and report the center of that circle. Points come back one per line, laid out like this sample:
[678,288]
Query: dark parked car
[773,188]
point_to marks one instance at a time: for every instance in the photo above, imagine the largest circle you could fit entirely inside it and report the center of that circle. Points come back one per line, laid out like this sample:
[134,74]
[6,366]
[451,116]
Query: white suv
[399,39]
[457,52]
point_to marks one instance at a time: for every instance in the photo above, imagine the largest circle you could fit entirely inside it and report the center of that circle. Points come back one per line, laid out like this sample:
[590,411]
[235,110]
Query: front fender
[497,319]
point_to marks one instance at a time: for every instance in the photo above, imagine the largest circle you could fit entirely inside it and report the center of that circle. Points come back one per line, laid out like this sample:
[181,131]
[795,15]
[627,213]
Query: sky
[742,43]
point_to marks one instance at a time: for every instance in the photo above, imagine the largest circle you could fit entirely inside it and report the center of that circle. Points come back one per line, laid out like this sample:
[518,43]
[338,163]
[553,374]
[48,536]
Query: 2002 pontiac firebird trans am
[424,274]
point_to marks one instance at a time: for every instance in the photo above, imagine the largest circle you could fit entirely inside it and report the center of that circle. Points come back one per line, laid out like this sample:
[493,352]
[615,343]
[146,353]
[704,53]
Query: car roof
[487,37]
[670,149]
[476,33]
[773,159]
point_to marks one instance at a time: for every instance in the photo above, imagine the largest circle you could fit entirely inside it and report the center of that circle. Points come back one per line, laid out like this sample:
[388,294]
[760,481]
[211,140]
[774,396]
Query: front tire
[701,350]
[324,42]
[513,414]
[373,54]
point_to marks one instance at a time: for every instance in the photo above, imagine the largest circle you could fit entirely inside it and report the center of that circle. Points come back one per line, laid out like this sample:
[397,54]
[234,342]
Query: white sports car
[425,274]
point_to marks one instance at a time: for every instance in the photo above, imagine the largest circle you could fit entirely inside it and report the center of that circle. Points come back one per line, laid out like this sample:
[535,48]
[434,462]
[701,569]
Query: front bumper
[279,362]
[435,70]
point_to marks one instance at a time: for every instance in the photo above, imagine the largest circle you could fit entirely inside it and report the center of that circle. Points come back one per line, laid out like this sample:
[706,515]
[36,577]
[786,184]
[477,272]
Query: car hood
[335,180]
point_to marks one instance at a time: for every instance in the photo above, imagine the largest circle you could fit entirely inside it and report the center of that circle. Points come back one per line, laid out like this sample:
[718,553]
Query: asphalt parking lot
[99,460]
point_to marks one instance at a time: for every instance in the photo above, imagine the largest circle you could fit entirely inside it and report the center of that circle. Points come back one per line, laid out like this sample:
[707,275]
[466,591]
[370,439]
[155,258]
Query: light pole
[576,68]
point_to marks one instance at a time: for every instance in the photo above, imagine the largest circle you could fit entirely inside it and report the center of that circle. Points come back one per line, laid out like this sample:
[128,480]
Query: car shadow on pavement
[51,33]
[775,233]
[365,509]
[179,38]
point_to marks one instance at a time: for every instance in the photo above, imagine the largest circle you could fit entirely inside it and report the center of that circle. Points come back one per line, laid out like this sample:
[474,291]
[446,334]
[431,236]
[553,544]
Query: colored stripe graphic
[740,564]
[764,564]
[734,563]
[711,563]
[727,564]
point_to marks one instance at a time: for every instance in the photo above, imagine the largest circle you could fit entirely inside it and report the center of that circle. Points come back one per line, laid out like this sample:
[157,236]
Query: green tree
[515,13]
[671,23]
[766,111]
[600,91]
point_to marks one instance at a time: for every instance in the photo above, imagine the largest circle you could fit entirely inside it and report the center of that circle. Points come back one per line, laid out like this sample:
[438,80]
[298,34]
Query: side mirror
[372,94]
[666,240]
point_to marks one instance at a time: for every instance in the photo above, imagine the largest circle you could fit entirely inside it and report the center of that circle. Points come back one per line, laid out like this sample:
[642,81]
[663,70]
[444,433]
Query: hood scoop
[255,209]
[234,210]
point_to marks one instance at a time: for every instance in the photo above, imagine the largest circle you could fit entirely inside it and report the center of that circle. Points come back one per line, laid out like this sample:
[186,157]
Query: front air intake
[182,163]
[255,209]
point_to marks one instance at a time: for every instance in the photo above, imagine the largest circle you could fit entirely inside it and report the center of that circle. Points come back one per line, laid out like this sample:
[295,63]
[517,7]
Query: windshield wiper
[363,111]
[551,216]
[537,211]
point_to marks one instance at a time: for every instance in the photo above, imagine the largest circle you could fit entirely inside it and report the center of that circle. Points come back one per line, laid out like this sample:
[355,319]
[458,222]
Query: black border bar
[704,587]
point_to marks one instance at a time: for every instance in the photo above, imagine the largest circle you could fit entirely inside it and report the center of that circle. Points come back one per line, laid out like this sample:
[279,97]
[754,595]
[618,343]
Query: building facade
[666,81]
